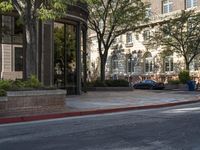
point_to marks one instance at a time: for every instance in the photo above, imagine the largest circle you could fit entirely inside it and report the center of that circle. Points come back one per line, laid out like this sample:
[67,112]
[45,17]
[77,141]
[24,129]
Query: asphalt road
[175,128]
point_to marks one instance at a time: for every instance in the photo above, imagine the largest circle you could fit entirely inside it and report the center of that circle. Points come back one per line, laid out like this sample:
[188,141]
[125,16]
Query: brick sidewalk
[102,102]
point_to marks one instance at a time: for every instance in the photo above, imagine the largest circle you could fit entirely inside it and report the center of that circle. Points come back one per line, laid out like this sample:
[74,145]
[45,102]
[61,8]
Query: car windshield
[148,81]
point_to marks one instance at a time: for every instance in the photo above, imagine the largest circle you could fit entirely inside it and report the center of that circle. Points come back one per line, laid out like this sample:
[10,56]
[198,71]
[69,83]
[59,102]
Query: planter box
[171,86]
[110,89]
[182,87]
[36,99]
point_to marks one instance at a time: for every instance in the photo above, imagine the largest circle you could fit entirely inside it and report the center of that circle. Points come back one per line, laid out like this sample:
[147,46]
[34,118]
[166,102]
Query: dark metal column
[84,30]
[47,54]
[78,59]
[0,46]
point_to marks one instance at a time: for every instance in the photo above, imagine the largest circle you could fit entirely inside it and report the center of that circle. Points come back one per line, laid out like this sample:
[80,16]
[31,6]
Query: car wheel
[151,87]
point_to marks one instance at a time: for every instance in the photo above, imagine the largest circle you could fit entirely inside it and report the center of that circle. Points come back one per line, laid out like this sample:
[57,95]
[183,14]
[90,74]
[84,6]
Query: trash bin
[191,85]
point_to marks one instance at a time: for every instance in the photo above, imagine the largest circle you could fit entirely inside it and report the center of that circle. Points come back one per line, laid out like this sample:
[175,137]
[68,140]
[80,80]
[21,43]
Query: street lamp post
[130,58]
[130,77]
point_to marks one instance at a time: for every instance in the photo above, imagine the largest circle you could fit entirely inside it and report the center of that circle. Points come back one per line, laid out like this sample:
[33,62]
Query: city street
[174,128]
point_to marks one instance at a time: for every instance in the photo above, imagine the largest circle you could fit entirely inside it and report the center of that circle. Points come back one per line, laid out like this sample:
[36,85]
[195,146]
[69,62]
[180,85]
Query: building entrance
[66,73]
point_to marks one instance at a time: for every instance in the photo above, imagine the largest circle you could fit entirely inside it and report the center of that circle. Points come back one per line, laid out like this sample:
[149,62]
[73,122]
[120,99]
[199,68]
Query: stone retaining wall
[183,87]
[19,100]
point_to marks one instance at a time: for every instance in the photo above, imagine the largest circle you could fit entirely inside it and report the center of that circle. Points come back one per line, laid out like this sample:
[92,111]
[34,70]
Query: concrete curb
[90,112]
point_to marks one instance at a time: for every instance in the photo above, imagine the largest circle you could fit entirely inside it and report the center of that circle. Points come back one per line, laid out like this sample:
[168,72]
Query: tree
[180,34]
[111,18]
[30,12]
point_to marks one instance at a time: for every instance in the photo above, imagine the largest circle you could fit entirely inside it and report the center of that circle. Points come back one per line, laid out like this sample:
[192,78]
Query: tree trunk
[31,61]
[187,66]
[103,63]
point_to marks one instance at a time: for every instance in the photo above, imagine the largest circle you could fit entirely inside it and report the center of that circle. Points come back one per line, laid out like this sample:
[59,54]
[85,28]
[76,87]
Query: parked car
[149,84]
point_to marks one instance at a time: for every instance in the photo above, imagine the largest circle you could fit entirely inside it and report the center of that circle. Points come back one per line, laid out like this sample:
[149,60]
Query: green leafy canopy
[111,18]
[5,5]
[42,9]
[180,34]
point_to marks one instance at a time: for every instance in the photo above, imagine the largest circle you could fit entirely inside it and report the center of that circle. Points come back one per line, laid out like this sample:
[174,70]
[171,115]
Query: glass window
[167,6]
[131,66]
[129,38]
[149,81]
[65,56]
[169,64]
[18,27]
[190,3]
[148,65]
[12,30]
[71,58]
[194,65]
[146,35]
[115,62]
[18,59]
[6,29]
[148,11]
[59,54]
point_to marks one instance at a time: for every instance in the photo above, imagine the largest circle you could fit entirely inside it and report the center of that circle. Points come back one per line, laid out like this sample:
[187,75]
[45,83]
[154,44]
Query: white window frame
[149,61]
[13,57]
[146,35]
[170,61]
[129,38]
[193,3]
[130,66]
[169,6]
[194,65]
[148,11]
[115,63]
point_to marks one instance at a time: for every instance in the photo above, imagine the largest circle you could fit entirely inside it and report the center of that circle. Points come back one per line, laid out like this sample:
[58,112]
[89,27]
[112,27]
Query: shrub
[5,84]
[117,83]
[109,83]
[184,76]
[99,83]
[174,82]
[32,82]
[18,84]
[2,92]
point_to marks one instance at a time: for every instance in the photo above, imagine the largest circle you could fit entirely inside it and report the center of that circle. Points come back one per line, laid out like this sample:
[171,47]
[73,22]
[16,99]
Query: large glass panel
[71,61]
[12,30]
[6,29]
[59,55]
[82,60]
[65,57]
[18,59]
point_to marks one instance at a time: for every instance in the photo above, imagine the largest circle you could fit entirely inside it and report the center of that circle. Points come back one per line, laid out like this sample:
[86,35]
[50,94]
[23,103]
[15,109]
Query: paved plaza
[108,101]
[104,100]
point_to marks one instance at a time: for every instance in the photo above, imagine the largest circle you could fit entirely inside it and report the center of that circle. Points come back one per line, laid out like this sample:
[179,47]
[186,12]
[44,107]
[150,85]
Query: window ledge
[129,45]
[169,72]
